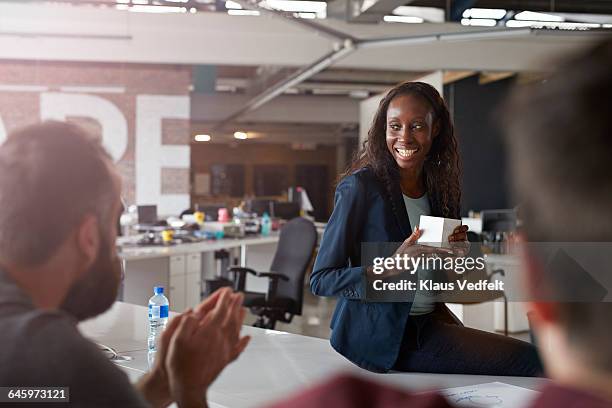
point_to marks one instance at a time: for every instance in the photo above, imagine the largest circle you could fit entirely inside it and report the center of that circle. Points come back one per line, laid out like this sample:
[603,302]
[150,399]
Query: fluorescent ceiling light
[240,135]
[586,18]
[23,88]
[158,9]
[93,89]
[232,5]
[481,22]
[403,19]
[515,23]
[530,15]
[359,94]
[243,12]
[606,25]
[202,138]
[484,13]
[366,4]
[552,24]
[306,15]
[431,14]
[293,5]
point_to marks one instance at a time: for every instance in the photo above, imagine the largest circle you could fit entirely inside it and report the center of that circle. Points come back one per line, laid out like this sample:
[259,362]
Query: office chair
[286,277]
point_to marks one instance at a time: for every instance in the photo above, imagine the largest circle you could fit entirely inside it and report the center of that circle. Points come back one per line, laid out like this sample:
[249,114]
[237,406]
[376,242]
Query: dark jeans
[432,344]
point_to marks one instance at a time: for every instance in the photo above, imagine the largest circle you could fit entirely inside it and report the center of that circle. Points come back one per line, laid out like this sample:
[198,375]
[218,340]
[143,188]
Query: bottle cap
[158,290]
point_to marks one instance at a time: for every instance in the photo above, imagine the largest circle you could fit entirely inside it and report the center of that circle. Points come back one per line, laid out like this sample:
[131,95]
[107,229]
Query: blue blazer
[368,334]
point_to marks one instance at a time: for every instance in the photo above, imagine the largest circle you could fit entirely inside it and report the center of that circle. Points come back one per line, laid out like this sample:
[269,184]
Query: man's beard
[96,291]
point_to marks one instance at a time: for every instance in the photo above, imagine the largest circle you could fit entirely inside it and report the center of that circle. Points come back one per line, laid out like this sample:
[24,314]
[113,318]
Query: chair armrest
[240,279]
[272,275]
[273,278]
[239,276]
[242,269]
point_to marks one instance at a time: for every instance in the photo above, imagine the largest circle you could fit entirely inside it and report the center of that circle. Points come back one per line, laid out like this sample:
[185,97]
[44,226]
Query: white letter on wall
[151,155]
[59,106]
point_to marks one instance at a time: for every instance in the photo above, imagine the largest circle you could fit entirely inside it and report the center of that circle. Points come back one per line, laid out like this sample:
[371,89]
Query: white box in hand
[436,230]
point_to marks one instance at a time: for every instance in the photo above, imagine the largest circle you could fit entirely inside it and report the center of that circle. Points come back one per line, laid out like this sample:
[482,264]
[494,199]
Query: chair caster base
[264,322]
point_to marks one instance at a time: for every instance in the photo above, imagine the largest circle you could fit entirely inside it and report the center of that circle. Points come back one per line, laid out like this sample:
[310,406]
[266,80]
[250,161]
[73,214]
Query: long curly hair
[442,168]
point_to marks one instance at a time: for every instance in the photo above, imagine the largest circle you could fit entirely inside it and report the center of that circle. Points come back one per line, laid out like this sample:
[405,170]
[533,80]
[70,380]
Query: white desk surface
[274,365]
[144,252]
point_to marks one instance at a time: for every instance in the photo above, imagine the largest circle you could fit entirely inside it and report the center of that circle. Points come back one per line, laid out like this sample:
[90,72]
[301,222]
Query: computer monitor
[260,206]
[147,214]
[211,212]
[498,220]
[285,210]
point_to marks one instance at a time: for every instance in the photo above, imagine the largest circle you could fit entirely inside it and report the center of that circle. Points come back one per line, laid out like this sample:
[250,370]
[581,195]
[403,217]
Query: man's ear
[543,312]
[88,239]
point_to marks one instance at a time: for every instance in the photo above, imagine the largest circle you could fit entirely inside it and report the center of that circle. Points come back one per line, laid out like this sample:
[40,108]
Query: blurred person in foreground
[559,137]
[59,206]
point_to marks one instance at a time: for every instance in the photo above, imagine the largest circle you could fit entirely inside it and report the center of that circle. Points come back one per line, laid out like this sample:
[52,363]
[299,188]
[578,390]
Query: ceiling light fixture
[241,135]
[480,22]
[530,15]
[232,5]
[157,9]
[233,12]
[484,13]
[552,24]
[297,6]
[307,15]
[402,19]
[202,138]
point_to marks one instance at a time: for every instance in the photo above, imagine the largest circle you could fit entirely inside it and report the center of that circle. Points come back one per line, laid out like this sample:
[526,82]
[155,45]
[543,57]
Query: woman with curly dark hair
[408,167]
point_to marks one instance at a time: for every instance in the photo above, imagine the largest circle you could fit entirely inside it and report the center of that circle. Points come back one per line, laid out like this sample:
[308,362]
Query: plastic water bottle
[265,224]
[158,317]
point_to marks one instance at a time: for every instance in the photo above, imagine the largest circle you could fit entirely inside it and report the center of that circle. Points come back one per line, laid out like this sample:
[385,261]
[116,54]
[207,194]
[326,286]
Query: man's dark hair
[559,135]
[51,175]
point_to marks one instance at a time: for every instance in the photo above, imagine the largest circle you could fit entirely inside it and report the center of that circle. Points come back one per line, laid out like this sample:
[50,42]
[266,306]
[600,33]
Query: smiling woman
[408,167]
[412,119]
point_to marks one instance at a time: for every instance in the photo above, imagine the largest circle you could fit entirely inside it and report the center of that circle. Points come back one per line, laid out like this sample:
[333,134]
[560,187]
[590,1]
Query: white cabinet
[192,289]
[185,281]
[141,275]
[177,264]
[193,279]
[177,293]
[194,263]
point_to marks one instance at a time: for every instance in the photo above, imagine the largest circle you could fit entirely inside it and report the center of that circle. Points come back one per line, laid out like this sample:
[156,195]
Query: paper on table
[490,395]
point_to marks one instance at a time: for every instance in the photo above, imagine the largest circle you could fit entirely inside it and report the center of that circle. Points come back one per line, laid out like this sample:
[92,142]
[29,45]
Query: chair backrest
[296,245]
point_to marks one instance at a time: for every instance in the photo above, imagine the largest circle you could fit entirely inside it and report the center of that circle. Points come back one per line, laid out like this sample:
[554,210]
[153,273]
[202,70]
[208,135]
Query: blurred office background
[208,104]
